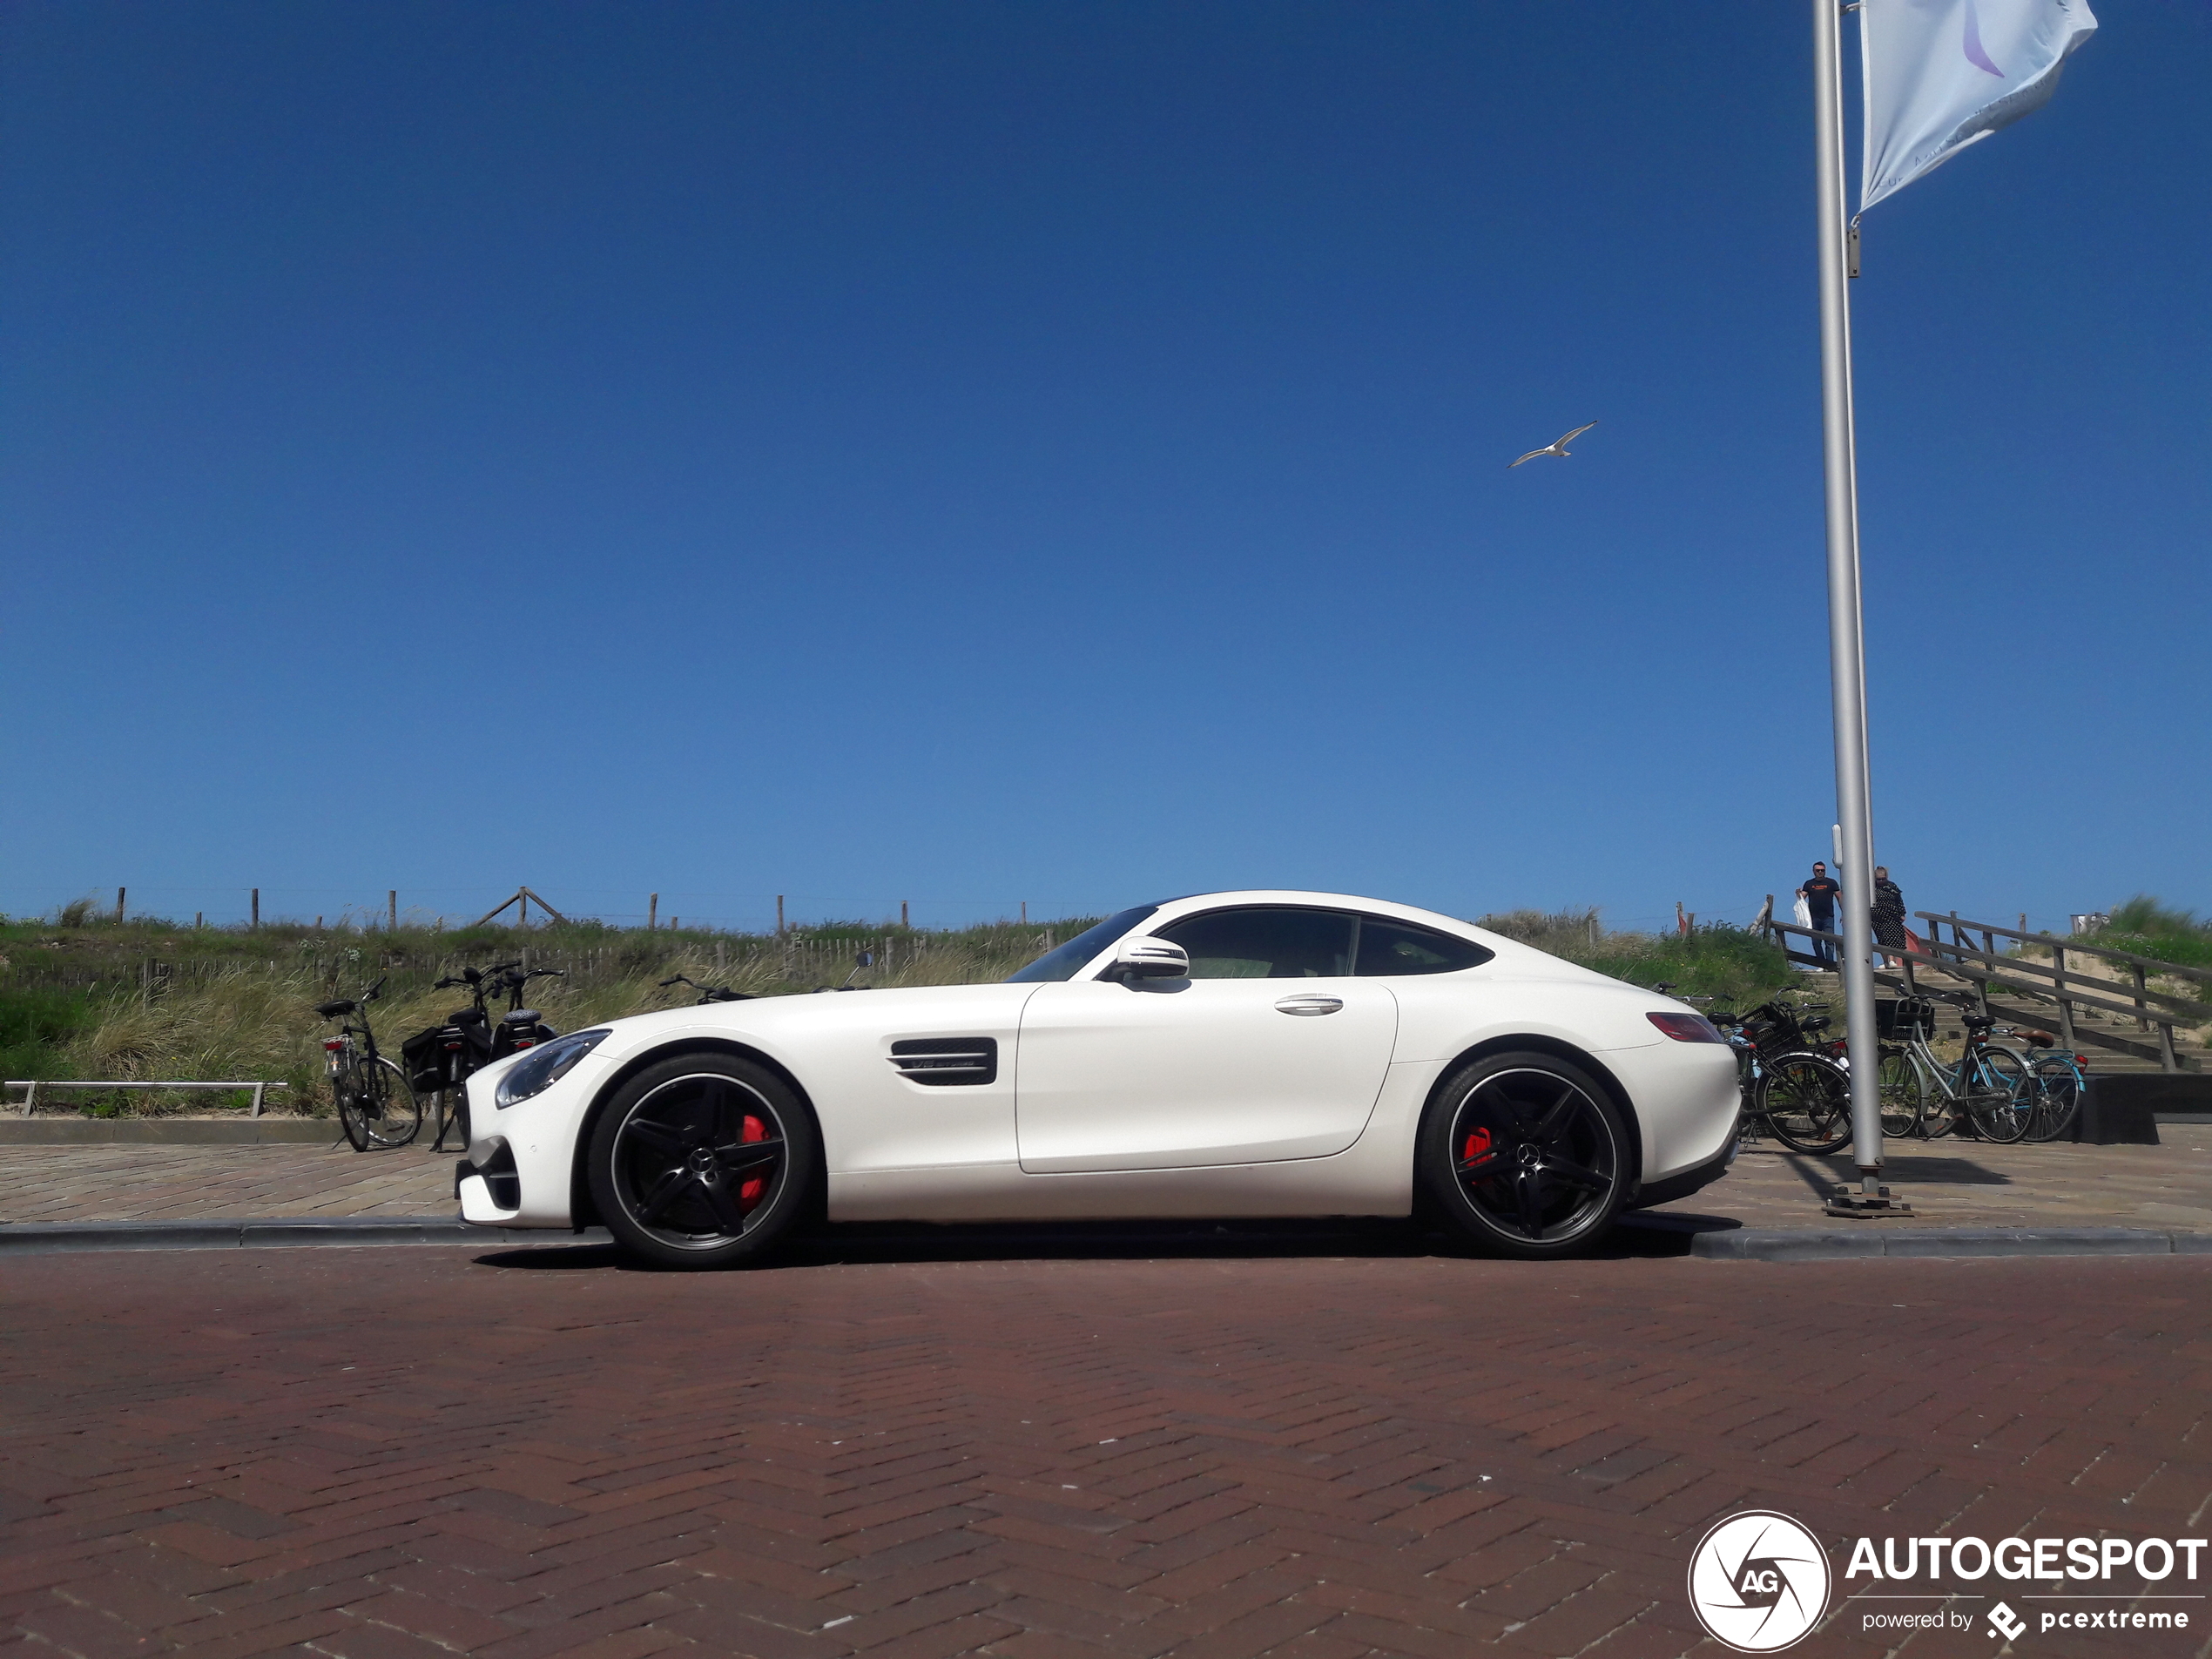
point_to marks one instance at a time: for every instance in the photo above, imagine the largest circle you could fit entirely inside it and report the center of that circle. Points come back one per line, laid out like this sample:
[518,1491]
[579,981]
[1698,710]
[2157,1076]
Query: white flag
[1942,73]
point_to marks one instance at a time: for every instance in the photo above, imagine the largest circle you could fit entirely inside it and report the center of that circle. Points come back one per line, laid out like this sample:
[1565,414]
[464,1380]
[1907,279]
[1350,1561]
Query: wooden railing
[1986,969]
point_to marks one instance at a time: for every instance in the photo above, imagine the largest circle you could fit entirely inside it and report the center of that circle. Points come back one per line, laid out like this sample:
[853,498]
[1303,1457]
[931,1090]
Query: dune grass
[255,1016]
[1717,960]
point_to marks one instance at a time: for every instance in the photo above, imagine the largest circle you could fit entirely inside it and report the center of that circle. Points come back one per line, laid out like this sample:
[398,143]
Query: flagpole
[1846,634]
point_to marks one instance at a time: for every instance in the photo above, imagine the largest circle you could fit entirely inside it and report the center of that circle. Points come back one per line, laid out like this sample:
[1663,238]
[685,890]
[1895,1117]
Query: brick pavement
[523,1453]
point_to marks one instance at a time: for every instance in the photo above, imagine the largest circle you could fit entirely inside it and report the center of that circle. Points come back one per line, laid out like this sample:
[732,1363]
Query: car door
[1271,1049]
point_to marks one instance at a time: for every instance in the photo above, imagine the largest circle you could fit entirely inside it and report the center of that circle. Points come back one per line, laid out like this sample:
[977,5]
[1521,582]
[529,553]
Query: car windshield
[1063,963]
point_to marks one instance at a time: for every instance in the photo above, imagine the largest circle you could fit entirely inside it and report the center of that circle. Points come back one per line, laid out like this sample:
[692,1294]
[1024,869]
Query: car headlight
[545,1065]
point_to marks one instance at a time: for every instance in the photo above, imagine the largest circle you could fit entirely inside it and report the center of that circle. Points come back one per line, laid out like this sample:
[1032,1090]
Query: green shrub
[36,1024]
[2149,928]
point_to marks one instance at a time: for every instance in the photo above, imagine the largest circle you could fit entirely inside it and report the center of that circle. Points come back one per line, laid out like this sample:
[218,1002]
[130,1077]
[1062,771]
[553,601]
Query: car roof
[1192,902]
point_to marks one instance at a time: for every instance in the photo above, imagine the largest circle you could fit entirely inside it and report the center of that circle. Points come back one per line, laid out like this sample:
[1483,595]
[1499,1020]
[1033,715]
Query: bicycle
[1986,1089]
[376,1104]
[1798,1094]
[2058,1082]
[709,993]
[441,1059]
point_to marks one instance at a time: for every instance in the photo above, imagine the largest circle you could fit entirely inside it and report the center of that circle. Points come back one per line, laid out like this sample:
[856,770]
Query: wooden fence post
[902,912]
[118,906]
[779,915]
[257,907]
[2065,1004]
[392,911]
[652,912]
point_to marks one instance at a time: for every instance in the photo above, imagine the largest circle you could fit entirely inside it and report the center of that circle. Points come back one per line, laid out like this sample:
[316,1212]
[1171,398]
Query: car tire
[704,1160]
[1526,1155]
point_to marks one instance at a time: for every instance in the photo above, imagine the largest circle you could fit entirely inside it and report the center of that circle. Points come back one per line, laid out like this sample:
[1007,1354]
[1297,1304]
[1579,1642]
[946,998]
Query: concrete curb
[273,1233]
[1872,1239]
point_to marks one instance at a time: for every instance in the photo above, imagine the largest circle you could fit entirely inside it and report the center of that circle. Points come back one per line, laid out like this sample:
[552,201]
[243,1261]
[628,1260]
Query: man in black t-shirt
[1819,893]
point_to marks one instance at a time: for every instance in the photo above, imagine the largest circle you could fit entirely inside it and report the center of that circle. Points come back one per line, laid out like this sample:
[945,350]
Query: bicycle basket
[1899,1017]
[1772,1036]
[424,1056]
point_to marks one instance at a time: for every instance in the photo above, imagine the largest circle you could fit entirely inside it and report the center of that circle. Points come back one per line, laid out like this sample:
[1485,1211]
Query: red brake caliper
[749,1192]
[1477,1151]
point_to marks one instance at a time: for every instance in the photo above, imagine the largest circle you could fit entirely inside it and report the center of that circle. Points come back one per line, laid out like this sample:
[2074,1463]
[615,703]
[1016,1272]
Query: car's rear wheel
[703,1161]
[1525,1154]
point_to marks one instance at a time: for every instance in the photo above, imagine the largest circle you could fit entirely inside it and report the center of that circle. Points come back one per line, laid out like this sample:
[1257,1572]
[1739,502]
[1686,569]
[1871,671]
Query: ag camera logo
[1759,1581]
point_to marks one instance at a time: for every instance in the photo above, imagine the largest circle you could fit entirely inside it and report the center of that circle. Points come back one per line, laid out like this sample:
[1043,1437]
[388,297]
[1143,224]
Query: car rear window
[1389,948]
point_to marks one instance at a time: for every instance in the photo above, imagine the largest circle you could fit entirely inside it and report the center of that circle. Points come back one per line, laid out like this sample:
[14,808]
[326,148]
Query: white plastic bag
[1805,912]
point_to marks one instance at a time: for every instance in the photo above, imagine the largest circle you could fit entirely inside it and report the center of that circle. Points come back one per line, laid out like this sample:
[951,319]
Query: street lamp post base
[1855,1206]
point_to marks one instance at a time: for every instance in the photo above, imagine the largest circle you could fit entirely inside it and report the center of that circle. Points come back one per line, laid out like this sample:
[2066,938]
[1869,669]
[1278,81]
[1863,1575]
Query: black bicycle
[441,1060]
[708,993]
[1790,1090]
[376,1106]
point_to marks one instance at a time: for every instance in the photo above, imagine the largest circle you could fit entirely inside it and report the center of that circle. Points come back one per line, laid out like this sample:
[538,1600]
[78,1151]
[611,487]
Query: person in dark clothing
[1819,893]
[1889,913]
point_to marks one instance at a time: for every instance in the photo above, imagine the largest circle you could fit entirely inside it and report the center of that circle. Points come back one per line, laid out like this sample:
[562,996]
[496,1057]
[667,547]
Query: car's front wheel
[703,1161]
[1525,1154]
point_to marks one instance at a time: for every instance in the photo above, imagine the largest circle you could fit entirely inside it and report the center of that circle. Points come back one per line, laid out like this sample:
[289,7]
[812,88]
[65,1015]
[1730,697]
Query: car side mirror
[1146,957]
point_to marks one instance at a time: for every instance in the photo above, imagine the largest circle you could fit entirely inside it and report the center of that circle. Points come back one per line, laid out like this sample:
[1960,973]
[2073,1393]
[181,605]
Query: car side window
[1399,947]
[1264,941]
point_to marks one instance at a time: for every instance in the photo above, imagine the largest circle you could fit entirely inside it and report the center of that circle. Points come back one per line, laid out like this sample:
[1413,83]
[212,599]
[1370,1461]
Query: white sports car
[1232,1054]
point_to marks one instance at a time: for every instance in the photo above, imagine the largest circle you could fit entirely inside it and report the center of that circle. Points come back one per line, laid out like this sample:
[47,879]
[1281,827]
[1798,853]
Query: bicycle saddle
[1819,1022]
[521,1016]
[332,1010]
[1976,1022]
[466,1017]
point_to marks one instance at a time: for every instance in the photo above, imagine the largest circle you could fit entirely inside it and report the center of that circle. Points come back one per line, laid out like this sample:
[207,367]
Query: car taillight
[1686,1028]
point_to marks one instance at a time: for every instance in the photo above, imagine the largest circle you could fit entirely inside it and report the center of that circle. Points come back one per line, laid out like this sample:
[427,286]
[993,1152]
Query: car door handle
[1309,1005]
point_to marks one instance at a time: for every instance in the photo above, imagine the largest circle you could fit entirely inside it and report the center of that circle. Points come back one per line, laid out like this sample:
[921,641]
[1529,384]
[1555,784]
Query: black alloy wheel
[1525,1154]
[703,1161]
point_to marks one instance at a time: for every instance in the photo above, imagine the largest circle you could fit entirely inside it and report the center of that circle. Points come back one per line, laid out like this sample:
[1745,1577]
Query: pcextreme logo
[1759,1581]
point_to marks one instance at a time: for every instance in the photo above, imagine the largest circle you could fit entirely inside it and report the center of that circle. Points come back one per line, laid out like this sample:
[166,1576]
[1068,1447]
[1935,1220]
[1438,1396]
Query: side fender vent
[946,1062]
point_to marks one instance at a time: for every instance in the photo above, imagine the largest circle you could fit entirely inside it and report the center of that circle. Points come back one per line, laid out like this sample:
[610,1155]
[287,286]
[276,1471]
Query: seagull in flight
[1558,448]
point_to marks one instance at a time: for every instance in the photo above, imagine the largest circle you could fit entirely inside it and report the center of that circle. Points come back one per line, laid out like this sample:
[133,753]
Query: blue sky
[977,453]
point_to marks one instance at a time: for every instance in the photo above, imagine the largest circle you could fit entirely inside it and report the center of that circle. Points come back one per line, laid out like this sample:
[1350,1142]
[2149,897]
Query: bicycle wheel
[1806,1102]
[2058,1097]
[1900,1081]
[349,1090]
[394,1114]
[2002,1097]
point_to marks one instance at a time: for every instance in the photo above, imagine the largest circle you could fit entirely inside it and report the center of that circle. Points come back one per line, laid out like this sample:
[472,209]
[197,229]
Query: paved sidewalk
[1969,1184]
[115,1183]
[1950,1184]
